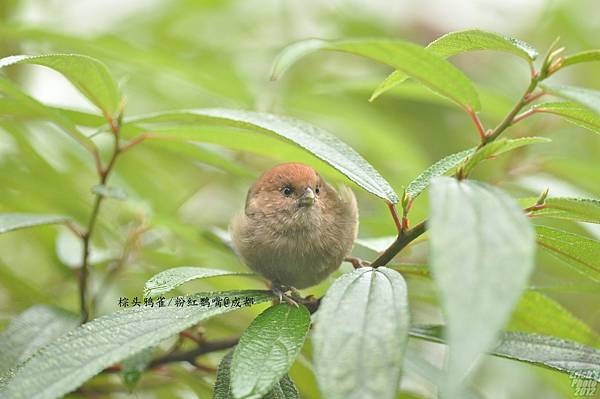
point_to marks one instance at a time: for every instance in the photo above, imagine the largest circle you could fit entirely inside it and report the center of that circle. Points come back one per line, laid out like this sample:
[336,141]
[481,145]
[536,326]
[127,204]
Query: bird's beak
[307,198]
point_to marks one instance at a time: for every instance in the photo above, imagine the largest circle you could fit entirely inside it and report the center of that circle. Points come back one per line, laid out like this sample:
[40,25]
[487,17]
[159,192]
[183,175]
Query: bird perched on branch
[295,229]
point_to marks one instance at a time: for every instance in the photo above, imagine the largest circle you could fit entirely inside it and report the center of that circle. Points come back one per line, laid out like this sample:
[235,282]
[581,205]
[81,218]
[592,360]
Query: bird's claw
[293,298]
[357,262]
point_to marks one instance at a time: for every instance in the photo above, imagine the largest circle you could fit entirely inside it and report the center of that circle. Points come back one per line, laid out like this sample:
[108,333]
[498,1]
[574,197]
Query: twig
[478,124]
[401,242]
[392,209]
[191,355]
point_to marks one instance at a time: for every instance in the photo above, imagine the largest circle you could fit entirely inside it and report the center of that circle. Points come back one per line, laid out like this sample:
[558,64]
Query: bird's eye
[287,191]
[317,190]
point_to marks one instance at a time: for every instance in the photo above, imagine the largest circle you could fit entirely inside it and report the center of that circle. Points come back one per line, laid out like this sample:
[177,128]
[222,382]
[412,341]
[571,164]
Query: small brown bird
[295,229]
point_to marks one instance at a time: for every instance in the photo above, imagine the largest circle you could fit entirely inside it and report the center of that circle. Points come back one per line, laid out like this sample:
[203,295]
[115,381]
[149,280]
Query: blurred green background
[194,54]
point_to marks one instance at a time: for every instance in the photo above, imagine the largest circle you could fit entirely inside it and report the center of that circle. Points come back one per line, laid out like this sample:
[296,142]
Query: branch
[401,242]
[191,355]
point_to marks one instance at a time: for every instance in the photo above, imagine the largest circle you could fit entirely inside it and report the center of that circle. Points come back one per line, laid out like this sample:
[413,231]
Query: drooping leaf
[454,43]
[267,349]
[482,248]
[432,71]
[498,147]
[24,105]
[577,209]
[539,314]
[284,389]
[584,56]
[574,113]
[439,168]
[31,330]
[15,221]
[169,279]
[70,360]
[134,366]
[551,352]
[579,252]
[110,192]
[586,97]
[87,74]
[360,335]
[319,142]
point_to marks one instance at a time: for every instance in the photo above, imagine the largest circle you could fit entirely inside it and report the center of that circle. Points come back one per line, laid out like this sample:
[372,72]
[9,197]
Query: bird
[295,229]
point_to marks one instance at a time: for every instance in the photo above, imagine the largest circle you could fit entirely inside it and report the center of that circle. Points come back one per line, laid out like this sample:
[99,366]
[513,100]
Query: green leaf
[267,350]
[24,105]
[551,352]
[584,56]
[586,97]
[581,253]
[439,168]
[498,147]
[15,221]
[459,42]
[319,142]
[360,335]
[284,389]
[482,248]
[572,112]
[110,192]
[454,43]
[432,71]
[169,279]
[577,209]
[72,359]
[134,366]
[87,74]
[31,330]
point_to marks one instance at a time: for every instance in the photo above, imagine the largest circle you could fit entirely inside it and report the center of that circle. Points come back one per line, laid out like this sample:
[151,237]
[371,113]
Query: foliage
[172,124]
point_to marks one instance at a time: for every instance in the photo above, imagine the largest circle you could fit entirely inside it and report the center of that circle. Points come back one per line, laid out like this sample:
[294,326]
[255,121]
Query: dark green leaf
[360,335]
[109,191]
[432,71]
[15,221]
[319,142]
[555,353]
[439,168]
[482,248]
[578,209]
[574,113]
[284,389]
[87,74]
[169,279]
[134,366]
[267,349]
[584,56]
[498,147]
[30,331]
[459,42]
[581,253]
[59,368]
[587,97]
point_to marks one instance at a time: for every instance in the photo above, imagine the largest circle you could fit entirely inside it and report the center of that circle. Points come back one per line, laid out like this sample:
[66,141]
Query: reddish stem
[392,209]
[478,124]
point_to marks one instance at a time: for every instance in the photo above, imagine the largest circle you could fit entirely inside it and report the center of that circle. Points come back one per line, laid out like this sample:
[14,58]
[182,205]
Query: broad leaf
[432,71]
[284,389]
[581,253]
[587,97]
[87,74]
[555,353]
[15,221]
[482,248]
[574,113]
[584,56]
[169,279]
[30,331]
[577,209]
[439,168]
[110,192]
[30,107]
[319,142]
[459,42]
[360,335]
[267,349]
[70,360]
[498,147]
